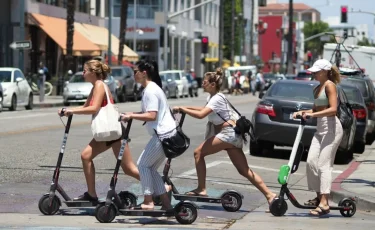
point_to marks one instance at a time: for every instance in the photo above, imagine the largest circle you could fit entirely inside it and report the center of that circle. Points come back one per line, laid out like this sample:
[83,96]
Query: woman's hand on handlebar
[295,114]
[307,116]
[64,112]
[176,109]
[126,116]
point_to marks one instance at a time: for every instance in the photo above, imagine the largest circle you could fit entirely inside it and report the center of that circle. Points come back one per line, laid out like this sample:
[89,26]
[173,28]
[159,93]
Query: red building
[271,41]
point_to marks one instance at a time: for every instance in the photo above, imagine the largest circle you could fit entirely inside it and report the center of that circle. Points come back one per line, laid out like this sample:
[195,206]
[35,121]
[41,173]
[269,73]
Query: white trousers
[322,152]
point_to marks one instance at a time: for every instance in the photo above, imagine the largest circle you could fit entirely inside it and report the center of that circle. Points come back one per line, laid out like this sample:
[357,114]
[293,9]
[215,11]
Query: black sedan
[360,111]
[274,124]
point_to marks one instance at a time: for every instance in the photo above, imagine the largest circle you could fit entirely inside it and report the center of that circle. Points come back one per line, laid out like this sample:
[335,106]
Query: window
[299,92]
[77,78]
[83,6]
[5,76]
[360,84]
[353,95]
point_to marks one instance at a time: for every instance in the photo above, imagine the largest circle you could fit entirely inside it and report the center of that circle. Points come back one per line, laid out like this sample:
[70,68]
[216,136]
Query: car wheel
[66,103]
[359,147]
[256,148]
[343,156]
[13,106]
[370,137]
[176,96]
[196,93]
[30,105]
[167,94]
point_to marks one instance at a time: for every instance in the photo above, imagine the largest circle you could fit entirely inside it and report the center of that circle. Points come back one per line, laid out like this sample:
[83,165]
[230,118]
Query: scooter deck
[72,203]
[154,213]
[204,199]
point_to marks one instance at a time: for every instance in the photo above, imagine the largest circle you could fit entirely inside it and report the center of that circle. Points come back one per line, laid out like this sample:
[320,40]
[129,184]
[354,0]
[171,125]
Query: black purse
[243,125]
[344,114]
[177,144]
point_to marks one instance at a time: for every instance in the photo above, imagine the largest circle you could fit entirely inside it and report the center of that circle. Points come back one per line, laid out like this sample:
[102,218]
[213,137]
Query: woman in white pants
[327,137]
[158,118]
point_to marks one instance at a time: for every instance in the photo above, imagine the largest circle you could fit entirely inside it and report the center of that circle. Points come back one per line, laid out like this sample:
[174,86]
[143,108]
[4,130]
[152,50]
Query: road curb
[338,193]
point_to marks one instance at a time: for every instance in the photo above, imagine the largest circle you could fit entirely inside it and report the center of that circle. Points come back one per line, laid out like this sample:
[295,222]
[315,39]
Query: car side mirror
[169,80]
[18,79]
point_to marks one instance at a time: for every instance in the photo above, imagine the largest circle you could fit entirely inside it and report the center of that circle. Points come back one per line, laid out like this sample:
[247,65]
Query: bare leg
[238,159]
[88,154]
[210,146]
[127,163]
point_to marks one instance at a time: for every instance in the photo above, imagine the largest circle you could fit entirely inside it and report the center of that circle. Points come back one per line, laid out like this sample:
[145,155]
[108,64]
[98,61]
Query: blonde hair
[216,77]
[100,69]
[334,75]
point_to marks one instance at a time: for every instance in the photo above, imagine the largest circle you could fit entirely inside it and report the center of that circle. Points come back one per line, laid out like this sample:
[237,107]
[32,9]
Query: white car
[16,89]
[76,90]
[179,77]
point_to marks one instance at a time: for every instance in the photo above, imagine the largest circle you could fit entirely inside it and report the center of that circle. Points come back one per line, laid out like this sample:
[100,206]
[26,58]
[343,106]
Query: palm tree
[252,32]
[70,32]
[123,19]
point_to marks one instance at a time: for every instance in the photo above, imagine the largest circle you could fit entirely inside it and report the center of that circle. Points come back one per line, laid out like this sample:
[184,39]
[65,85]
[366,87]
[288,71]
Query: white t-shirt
[154,99]
[218,105]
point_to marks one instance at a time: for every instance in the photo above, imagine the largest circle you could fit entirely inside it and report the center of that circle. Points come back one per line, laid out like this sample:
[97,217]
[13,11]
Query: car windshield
[162,77]
[304,75]
[77,78]
[5,76]
[176,76]
[300,92]
[360,84]
[116,73]
[352,94]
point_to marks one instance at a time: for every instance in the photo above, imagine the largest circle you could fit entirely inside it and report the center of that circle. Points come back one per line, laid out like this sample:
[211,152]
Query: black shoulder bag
[344,113]
[177,144]
[243,125]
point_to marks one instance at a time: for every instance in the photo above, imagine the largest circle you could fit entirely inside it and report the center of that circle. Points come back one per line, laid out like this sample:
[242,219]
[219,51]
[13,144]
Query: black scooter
[185,212]
[278,206]
[50,203]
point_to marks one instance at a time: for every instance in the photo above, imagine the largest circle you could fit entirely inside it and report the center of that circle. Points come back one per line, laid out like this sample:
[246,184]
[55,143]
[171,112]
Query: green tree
[228,25]
[311,29]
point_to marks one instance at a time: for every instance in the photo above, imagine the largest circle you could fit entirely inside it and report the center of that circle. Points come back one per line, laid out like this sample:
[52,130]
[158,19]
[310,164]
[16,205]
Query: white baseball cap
[321,64]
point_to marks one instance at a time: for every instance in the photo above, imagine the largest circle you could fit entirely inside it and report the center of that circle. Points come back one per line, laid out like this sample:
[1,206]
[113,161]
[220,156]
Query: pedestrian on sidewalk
[41,80]
[222,137]
[327,137]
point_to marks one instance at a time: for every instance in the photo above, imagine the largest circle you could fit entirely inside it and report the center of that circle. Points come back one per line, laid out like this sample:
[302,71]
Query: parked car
[365,85]
[76,90]
[111,83]
[304,75]
[1,98]
[179,77]
[193,85]
[169,85]
[126,85]
[290,76]
[270,78]
[360,112]
[274,124]
[15,89]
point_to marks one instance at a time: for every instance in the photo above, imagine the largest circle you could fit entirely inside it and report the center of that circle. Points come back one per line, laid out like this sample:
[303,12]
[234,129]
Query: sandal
[313,202]
[86,197]
[194,193]
[319,211]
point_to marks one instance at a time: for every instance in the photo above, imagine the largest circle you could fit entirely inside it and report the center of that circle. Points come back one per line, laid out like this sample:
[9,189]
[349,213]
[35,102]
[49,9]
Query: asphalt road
[30,142]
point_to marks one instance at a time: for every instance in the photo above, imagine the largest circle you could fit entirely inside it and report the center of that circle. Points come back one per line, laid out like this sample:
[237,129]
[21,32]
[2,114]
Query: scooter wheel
[186,213]
[104,213]
[128,200]
[349,207]
[278,207]
[231,202]
[47,206]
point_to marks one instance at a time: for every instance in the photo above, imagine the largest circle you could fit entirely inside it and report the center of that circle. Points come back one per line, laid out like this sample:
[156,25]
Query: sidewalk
[358,181]
[49,101]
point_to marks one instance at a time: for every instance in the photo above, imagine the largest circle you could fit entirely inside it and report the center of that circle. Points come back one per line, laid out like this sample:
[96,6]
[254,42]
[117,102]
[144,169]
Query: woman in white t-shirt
[158,118]
[222,136]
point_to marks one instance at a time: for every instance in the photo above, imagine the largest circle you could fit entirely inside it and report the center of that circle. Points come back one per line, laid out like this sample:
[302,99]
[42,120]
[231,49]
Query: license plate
[79,96]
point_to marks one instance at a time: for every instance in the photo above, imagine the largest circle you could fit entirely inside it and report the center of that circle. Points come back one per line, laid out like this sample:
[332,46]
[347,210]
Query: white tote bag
[105,125]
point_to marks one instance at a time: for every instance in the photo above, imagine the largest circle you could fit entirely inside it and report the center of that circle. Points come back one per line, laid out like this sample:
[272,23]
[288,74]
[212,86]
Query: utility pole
[109,52]
[251,32]
[165,56]
[22,35]
[232,33]
[290,39]
[221,32]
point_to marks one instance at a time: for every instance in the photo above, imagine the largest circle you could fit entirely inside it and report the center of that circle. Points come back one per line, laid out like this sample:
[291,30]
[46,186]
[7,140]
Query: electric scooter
[49,203]
[185,212]
[278,206]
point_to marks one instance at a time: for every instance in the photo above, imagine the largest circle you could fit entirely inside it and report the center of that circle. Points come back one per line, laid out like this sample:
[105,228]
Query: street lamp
[260,28]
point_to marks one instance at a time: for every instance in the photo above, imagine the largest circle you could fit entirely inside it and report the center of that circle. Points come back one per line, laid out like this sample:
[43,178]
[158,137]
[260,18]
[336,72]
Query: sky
[328,12]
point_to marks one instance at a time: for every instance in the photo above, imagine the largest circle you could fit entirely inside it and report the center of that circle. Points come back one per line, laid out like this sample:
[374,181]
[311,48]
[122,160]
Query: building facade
[45,26]
[184,32]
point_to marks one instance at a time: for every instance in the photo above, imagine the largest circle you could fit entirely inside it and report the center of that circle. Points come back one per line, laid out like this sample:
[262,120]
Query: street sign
[21,45]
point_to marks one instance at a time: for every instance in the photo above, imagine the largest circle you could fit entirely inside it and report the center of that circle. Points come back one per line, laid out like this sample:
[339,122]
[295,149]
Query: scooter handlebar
[301,117]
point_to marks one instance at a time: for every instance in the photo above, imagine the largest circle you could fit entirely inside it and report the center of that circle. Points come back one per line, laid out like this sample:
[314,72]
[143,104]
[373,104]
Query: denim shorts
[228,135]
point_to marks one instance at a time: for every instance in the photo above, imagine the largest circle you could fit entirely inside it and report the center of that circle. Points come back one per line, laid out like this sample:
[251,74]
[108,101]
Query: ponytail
[334,75]
[155,77]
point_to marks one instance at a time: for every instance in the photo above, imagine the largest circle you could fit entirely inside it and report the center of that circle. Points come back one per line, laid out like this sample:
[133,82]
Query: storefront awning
[99,36]
[56,28]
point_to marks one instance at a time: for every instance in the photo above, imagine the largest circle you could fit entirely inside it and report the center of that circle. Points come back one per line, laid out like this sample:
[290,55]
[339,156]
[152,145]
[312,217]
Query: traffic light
[204,42]
[344,14]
